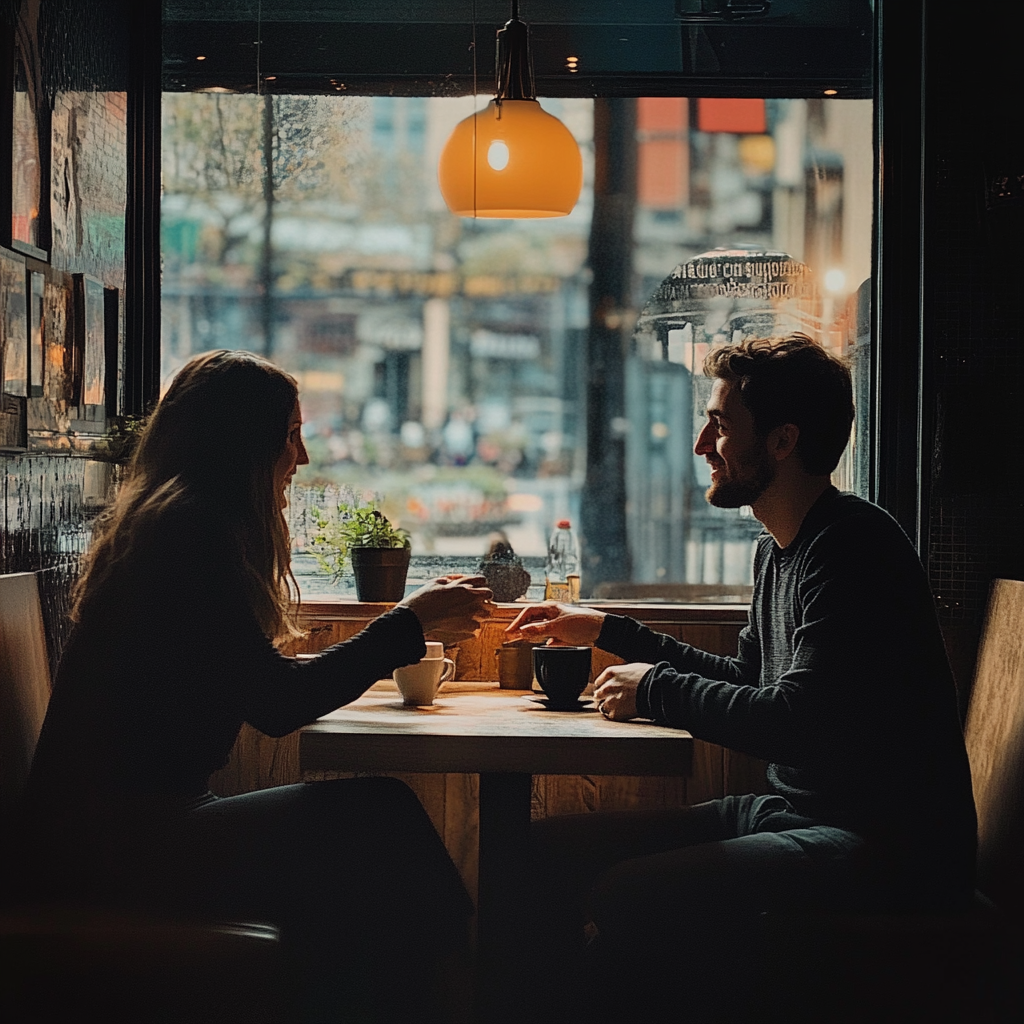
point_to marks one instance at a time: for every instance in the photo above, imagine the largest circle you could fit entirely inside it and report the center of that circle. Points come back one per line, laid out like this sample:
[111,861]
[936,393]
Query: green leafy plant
[351,525]
[120,442]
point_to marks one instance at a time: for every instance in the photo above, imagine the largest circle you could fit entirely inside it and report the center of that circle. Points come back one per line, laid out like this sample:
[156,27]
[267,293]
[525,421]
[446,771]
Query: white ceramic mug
[419,682]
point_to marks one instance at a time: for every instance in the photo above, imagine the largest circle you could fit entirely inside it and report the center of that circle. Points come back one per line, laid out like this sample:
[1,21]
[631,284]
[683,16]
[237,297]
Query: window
[443,363]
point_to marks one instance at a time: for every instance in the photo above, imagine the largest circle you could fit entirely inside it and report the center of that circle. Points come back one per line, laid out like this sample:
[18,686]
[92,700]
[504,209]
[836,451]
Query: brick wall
[79,54]
[88,184]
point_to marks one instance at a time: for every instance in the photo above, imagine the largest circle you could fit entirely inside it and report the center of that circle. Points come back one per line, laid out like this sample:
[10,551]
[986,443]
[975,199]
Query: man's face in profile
[741,468]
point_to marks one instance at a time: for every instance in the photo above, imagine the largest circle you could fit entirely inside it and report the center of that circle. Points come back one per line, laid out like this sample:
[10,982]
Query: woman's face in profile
[293,456]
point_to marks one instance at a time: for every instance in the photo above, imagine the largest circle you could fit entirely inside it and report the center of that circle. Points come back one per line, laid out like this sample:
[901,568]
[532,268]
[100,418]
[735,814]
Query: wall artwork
[14,327]
[90,346]
[36,345]
[114,351]
[24,144]
[13,354]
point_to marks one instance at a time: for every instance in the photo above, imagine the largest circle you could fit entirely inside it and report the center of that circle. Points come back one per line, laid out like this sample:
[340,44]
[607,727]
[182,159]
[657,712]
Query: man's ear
[782,441]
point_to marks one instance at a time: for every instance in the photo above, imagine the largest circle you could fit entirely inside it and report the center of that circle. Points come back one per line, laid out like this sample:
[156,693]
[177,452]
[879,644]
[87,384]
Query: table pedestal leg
[504,870]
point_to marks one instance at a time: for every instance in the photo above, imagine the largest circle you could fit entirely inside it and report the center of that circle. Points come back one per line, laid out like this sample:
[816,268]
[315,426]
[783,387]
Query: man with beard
[840,682]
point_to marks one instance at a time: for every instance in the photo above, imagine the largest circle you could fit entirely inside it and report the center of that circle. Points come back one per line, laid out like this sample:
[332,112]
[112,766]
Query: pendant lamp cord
[259,47]
[475,114]
[513,64]
[474,52]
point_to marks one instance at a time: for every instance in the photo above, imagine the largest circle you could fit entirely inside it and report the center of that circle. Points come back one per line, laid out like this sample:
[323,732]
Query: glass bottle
[562,571]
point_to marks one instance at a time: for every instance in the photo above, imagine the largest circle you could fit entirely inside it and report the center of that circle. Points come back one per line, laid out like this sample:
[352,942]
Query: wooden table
[505,737]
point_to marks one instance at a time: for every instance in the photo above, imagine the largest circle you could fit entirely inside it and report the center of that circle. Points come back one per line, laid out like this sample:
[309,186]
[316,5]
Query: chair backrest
[995,745]
[24,681]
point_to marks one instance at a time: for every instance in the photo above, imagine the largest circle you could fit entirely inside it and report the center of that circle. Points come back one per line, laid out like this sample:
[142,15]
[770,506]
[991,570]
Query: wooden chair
[848,969]
[63,963]
[995,745]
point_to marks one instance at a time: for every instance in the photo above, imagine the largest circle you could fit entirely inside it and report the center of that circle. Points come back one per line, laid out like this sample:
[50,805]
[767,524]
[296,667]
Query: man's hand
[563,623]
[451,608]
[615,690]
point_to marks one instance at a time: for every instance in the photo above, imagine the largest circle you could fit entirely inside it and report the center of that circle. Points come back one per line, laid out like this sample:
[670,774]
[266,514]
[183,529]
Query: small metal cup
[515,666]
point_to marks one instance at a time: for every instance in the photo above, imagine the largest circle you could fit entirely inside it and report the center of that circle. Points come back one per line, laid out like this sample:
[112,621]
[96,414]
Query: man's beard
[759,472]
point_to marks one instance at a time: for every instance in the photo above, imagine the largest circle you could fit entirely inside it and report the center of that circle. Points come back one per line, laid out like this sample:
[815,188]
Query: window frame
[901,415]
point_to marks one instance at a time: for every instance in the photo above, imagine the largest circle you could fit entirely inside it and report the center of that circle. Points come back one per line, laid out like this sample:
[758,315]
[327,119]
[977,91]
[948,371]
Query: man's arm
[633,642]
[628,639]
[623,692]
[853,670]
[616,689]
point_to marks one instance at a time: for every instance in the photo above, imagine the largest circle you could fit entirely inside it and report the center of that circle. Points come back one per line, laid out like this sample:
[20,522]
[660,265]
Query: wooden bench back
[995,745]
[24,681]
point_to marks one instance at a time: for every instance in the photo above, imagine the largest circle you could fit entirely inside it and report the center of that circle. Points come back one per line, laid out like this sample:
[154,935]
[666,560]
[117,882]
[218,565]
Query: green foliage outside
[213,164]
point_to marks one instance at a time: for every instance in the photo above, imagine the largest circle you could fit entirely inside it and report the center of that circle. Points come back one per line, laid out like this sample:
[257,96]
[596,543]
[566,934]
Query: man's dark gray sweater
[842,683]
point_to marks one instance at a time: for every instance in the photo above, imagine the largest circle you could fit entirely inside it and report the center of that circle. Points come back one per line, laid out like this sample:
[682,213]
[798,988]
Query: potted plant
[358,532]
[119,443]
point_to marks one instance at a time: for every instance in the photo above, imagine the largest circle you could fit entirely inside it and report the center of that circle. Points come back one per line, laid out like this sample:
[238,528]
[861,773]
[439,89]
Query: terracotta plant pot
[380,573]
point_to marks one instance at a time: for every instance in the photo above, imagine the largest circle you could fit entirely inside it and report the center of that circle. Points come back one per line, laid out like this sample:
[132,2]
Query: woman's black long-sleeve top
[160,673]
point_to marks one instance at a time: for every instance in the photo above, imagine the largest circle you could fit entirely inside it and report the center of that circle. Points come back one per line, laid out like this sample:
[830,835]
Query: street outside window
[442,361]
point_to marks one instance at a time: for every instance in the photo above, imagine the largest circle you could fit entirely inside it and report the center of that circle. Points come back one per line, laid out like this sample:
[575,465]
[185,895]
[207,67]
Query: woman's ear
[782,441]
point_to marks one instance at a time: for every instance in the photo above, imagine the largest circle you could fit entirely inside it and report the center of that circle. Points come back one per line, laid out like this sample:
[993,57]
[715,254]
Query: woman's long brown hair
[214,437]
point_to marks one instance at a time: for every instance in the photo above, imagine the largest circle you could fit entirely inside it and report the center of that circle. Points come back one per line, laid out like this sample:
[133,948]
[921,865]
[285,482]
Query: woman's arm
[281,694]
[285,694]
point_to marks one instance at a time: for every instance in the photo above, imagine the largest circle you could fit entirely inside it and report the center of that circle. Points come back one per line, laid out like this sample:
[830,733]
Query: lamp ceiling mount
[512,159]
[513,65]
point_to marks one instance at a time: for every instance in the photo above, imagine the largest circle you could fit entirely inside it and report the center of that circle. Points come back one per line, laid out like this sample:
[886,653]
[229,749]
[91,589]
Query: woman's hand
[451,608]
[564,623]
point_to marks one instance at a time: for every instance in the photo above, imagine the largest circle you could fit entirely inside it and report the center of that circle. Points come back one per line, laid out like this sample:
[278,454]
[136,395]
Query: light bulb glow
[835,281]
[497,155]
[541,177]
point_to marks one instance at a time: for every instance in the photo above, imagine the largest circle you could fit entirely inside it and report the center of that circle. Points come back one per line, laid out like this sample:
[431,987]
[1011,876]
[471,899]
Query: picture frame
[90,350]
[13,355]
[25,120]
[14,327]
[113,389]
[36,295]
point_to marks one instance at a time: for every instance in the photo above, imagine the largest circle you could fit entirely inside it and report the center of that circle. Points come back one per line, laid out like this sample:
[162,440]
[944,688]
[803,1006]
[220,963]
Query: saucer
[582,703]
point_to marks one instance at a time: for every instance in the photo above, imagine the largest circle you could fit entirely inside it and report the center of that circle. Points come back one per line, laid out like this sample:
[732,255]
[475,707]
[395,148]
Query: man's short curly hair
[792,380]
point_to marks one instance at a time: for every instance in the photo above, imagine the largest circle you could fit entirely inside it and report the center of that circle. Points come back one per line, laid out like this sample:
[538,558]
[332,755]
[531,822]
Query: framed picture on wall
[115,366]
[90,349]
[36,339]
[25,120]
[14,328]
[13,354]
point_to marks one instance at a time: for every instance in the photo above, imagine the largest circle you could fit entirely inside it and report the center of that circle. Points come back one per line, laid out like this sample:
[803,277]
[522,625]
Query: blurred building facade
[441,360]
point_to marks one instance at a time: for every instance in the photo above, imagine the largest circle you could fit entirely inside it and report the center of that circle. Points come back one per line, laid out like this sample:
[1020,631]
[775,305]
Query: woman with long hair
[183,593]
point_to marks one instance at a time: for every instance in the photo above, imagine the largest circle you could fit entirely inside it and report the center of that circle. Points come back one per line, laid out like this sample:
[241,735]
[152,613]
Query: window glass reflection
[442,360]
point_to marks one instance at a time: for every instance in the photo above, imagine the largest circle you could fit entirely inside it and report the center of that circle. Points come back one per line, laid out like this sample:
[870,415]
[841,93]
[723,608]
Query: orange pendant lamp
[511,159]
